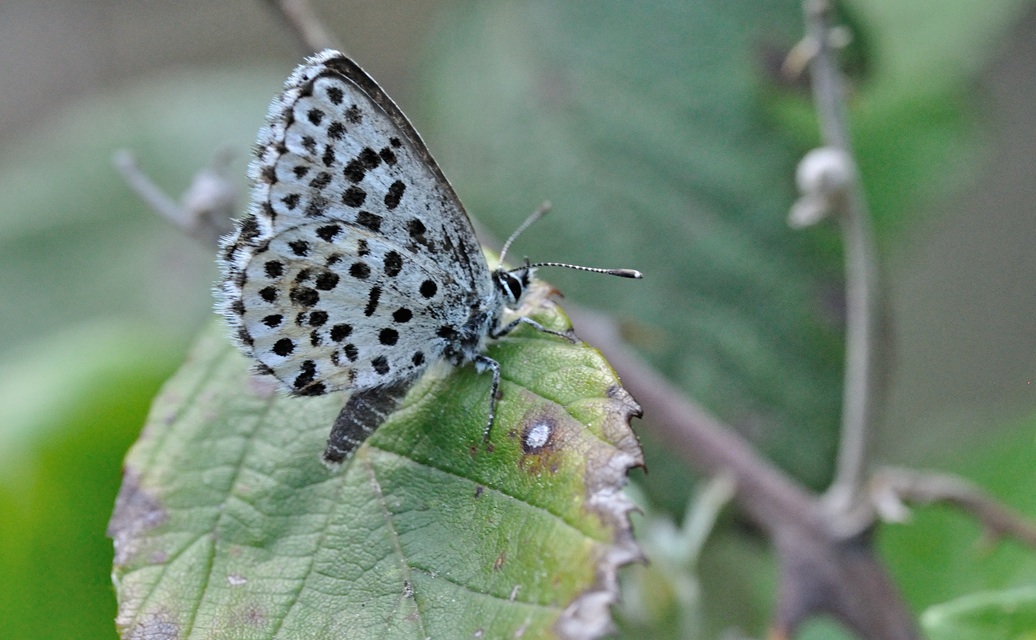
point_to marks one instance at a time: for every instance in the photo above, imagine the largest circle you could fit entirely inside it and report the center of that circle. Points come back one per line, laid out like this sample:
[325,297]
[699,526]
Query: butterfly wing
[352,221]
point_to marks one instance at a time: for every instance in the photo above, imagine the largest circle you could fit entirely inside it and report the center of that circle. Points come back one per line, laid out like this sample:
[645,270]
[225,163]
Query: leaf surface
[228,524]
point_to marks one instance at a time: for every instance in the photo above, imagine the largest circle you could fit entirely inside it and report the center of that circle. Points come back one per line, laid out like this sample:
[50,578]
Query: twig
[859,398]
[152,195]
[892,486]
[305,24]
[205,209]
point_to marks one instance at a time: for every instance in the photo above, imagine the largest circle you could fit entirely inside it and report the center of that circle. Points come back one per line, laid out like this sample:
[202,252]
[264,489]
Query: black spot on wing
[326,281]
[340,332]
[428,288]
[317,206]
[274,269]
[354,196]
[369,158]
[369,220]
[321,180]
[417,230]
[329,156]
[381,365]
[393,264]
[303,382]
[359,270]
[372,301]
[304,296]
[354,171]
[291,201]
[284,347]
[329,232]
[394,194]
[317,318]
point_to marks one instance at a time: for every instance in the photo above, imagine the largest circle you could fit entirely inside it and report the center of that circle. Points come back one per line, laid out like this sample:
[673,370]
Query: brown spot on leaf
[542,440]
[538,434]
[154,626]
[136,513]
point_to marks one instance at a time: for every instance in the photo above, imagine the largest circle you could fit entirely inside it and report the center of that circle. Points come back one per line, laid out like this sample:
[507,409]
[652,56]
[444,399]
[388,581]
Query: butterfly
[357,267]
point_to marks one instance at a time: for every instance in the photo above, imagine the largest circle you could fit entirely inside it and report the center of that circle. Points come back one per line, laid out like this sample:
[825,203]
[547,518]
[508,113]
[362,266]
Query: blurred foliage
[684,180]
[71,405]
[991,615]
[667,144]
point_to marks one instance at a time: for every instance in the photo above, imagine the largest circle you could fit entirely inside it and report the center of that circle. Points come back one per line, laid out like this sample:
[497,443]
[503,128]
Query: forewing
[337,150]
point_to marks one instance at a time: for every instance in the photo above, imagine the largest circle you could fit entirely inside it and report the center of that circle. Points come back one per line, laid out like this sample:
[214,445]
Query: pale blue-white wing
[337,150]
[331,306]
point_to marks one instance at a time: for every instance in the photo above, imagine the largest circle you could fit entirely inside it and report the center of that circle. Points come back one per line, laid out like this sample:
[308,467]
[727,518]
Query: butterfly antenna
[533,217]
[622,273]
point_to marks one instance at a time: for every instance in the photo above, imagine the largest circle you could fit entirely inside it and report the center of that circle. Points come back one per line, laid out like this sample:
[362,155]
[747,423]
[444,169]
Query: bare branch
[206,208]
[305,24]
[891,487]
[863,343]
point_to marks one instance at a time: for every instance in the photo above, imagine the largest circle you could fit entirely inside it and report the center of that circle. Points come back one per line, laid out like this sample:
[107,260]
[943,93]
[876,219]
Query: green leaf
[991,615]
[228,524]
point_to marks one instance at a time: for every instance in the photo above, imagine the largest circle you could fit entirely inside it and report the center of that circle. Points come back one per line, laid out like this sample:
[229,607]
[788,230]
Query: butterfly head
[511,285]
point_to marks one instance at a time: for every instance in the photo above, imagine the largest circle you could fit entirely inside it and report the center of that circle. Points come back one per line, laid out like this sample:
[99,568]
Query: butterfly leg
[362,414]
[483,363]
[512,325]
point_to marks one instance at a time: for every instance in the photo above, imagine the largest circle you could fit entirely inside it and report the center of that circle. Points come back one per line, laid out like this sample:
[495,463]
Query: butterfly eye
[510,286]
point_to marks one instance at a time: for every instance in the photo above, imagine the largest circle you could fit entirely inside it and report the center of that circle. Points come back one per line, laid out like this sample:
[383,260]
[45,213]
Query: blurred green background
[667,141]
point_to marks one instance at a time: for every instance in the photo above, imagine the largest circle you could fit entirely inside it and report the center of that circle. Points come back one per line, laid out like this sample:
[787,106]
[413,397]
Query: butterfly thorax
[466,342]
